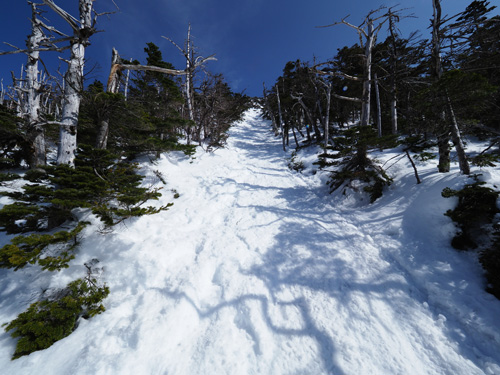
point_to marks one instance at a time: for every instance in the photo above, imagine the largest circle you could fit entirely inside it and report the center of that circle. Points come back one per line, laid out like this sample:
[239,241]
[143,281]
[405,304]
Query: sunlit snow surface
[257,270]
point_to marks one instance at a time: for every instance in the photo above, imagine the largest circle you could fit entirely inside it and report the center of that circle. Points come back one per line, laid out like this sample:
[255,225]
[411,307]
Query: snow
[256,269]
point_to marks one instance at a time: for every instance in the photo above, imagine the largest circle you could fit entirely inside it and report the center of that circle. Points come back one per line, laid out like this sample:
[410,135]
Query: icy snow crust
[257,270]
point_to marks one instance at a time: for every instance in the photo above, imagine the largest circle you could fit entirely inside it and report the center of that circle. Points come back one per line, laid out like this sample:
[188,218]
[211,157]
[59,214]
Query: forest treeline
[440,86]
[423,95]
[73,145]
[143,107]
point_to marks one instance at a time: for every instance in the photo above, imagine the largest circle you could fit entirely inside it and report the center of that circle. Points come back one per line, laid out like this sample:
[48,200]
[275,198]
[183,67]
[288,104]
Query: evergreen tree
[14,147]
[57,315]
[156,101]
[480,52]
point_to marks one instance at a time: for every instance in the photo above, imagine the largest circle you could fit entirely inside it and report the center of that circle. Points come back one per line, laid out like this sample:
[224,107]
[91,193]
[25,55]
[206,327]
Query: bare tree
[367,32]
[117,66]
[269,110]
[379,108]
[31,88]
[193,62]
[2,92]
[393,59]
[35,132]
[284,131]
[452,130]
[83,28]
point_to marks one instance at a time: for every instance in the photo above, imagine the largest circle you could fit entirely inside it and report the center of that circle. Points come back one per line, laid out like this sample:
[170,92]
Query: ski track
[256,270]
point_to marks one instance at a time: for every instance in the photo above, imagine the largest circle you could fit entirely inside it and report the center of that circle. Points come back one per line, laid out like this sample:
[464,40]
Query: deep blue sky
[252,39]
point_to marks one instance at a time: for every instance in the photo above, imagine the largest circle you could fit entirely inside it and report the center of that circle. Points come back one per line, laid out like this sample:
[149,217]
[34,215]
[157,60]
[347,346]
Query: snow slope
[257,270]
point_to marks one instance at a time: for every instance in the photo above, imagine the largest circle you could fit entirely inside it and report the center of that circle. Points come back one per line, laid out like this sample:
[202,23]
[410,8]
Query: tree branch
[179,48]
[151,68]
[200,60]
[334,74]
[72,21]
[356,100]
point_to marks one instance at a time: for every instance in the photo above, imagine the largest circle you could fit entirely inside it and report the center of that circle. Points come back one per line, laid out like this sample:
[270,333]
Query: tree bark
[71,106]
[280,116]
[437,71]
[309,116]
[113,84]
[444,152]
[35,132]
[2,92]
[457,139]
[452,126]
[82,30]
[379,109]
[189,76]
[367,79]
[413,166]
[394,112]
[327,120]
[393,64]
[271,114]
[192,64]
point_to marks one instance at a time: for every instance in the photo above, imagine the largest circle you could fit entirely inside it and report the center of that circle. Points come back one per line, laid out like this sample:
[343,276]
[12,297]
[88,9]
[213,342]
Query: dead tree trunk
[379,109]
[71,105]
[328,91]
[189,76]
[269,109]
[451,129]
[309,116]
[2,93]
[393,61]
[367,78]
[280,116]
[125,90]
[112,87]
[436,73]
[83,29]
[192,64]
[29,89]
[456,138]
[367,33]
[35,132]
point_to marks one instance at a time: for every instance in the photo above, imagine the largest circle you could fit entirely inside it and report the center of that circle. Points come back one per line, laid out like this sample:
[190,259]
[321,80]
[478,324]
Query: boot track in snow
[255,269]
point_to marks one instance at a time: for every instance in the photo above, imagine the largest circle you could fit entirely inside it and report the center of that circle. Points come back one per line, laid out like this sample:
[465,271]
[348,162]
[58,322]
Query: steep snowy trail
[255,270]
